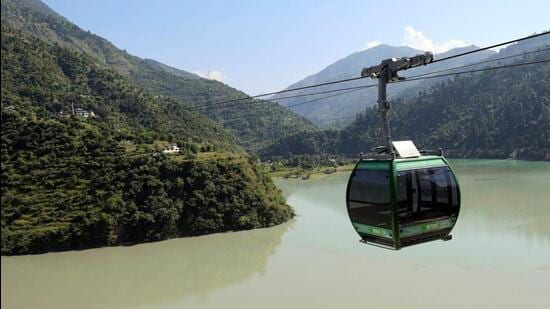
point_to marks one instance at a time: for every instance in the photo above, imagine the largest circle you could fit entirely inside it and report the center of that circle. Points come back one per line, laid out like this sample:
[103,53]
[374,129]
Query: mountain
[338,110]
[255,122]
[502,113]
[35,17]
[47,79]
[88,180]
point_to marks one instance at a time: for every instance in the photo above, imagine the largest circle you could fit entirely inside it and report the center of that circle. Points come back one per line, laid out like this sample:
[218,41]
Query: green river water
[499,258]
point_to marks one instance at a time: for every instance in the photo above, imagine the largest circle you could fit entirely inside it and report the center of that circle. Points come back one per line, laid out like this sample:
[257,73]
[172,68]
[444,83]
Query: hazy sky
[259,46]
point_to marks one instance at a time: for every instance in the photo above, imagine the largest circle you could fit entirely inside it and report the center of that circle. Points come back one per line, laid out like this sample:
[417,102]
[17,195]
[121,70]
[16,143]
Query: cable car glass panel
[426,194]
[369,197]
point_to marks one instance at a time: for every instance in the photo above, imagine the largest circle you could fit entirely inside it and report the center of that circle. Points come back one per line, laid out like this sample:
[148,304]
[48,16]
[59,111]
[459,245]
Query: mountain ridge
[73,181]
[348,104]
[262,120]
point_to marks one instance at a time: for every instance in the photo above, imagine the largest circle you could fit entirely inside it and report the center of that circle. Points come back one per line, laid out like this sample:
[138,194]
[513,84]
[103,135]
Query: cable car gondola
[397,202]
[401,196]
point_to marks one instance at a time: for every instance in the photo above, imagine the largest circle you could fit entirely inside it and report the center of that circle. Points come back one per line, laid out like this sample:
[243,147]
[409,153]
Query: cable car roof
[406,149]
[402,163]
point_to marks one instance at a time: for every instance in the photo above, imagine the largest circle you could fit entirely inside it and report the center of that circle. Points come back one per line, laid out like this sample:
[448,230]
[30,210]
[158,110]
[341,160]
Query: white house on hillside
[172,150]
[80,112]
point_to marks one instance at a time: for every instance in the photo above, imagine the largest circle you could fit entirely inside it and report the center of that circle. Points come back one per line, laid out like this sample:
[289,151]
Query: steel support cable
[339,118]
[300,95]
[354,89]
[283,91]
[327,97]
[430,73]
[483,62]
[417,77]
[361,77]
[491,46]
[414,78]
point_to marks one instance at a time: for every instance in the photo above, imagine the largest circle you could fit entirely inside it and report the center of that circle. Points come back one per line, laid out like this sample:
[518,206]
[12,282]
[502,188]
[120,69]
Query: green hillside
[78,182]
[496,114]
[256,123]
[47,79]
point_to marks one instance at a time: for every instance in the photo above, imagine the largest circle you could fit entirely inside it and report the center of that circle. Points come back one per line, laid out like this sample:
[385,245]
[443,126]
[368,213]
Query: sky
[261,46]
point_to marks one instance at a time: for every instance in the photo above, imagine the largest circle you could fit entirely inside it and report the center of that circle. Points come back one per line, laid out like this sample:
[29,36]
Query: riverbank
[309,174]
[324,170]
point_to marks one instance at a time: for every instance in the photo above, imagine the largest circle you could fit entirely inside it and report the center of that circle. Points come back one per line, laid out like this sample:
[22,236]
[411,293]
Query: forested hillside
[67,185]
[502,113]
[256,122]
[49,79]
[72,182]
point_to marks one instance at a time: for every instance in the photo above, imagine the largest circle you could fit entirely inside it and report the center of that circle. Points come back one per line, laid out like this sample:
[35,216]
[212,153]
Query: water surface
[499,257]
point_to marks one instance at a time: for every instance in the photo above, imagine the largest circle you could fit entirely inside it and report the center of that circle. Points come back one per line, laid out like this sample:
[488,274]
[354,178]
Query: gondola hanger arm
[386,72]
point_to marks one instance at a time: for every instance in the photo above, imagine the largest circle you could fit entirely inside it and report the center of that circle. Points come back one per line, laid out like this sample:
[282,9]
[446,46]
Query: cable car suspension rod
[386,72]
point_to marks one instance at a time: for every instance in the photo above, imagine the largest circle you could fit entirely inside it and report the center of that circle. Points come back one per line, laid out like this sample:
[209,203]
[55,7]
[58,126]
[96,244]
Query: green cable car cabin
[397,201]
[401,196]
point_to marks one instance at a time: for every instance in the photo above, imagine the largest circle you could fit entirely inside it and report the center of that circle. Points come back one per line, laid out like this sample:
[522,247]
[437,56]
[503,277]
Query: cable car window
[369,197]
[424,178]
[441,179]
[425,194]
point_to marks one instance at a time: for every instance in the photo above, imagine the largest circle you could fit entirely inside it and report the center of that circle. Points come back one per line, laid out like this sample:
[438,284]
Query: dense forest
[72,182]
[50,79]
[255,122]
[66,185]
[494,114]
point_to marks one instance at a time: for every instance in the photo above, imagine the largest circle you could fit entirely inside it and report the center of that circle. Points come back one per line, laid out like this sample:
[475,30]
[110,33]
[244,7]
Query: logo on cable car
[379,232]
[432,226]
[376,231]
[437,225]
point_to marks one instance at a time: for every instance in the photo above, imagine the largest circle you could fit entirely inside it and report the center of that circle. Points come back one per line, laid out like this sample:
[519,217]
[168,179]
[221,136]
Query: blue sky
[259,46]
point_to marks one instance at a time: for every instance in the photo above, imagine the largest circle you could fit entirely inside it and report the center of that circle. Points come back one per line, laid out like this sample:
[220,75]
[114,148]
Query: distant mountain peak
[350,66]
[37,18]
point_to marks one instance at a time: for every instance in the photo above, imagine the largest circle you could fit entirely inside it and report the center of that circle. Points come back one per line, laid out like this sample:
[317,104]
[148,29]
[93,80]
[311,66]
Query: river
[499,258]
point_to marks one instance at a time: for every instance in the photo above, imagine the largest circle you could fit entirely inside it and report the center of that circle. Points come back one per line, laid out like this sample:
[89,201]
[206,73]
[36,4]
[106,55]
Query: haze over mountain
[338,110]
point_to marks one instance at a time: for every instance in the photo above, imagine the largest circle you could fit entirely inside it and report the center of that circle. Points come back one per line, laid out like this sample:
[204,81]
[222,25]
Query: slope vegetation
[255,122]
[76,182]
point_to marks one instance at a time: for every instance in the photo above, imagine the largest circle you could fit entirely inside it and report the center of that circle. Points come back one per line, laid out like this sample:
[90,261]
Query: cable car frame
[418,202]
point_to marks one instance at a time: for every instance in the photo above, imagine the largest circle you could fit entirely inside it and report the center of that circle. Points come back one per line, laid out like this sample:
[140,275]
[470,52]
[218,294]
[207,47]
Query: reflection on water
[507,197]
[138,275]
[499,257]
